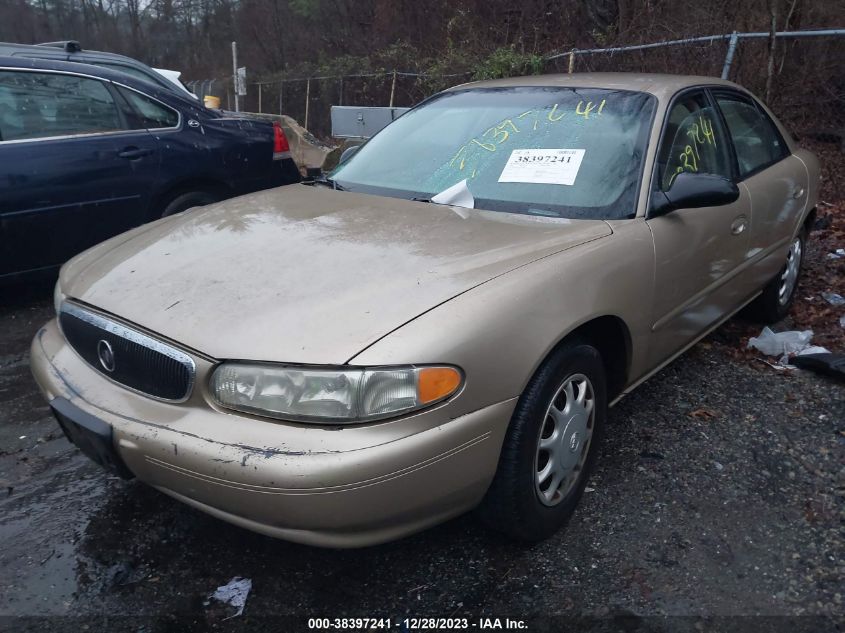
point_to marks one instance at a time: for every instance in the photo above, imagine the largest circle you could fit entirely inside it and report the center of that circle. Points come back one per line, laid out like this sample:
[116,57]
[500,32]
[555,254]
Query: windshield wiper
[327,182]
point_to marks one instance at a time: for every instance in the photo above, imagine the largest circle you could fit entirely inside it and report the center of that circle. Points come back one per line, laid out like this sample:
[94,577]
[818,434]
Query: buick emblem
[106,355]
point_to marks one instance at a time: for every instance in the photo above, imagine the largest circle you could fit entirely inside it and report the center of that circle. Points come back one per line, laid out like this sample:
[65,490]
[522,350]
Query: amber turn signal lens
[436,383]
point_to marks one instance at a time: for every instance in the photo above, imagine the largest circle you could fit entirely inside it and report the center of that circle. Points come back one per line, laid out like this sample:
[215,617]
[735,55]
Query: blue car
[72,51]
[87,153]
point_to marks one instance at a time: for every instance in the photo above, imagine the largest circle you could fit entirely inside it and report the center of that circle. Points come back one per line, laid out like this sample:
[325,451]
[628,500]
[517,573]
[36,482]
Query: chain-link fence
[798,72]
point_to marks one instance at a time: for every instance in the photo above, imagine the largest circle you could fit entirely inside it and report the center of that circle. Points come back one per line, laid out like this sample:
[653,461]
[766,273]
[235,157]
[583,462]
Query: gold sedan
[442,324]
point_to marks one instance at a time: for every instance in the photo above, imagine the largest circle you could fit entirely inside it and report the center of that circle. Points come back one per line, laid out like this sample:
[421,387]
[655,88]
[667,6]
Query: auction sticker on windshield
[544,166]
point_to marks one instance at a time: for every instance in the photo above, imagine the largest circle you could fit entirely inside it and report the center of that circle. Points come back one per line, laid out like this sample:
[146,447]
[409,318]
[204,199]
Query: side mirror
[348,153]
[693,191]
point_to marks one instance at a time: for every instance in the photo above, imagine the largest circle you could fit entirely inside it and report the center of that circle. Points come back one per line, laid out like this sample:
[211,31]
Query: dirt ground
[718,495]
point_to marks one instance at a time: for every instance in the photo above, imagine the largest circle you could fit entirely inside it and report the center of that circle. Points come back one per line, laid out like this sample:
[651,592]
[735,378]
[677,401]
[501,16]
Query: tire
[516,503]
[183,201]
[774,303]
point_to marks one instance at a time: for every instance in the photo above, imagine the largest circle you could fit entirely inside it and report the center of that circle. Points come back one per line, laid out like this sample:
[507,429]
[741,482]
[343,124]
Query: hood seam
[463,292]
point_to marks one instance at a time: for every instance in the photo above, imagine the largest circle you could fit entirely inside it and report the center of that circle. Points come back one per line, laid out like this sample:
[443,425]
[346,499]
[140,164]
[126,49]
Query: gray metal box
[362,122]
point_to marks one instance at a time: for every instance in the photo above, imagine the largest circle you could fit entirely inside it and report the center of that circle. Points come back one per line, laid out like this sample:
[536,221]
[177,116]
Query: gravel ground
[719,492]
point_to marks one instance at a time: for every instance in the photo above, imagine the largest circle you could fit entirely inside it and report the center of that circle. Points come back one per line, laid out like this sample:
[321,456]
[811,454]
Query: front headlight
[331,395]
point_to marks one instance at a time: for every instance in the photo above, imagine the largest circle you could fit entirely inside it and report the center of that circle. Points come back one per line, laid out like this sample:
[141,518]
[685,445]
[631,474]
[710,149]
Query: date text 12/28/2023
[416,624]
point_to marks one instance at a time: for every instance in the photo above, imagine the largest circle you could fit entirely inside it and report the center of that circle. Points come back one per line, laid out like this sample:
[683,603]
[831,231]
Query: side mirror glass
[692,191]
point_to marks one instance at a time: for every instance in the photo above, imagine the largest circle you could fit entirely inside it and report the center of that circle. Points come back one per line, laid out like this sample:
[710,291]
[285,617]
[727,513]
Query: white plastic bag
[780,343]
[234,593]
[833,298]
[813,349]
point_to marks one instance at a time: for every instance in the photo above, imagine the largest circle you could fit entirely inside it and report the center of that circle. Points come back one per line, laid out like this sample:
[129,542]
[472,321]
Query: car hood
[306,274]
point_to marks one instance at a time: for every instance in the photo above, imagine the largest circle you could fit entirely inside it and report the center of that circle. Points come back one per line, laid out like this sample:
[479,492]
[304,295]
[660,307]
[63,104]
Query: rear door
[698,252]
[73,172]
[776,180]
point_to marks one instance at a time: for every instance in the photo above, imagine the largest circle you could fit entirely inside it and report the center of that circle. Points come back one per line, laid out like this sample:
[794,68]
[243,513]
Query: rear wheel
[550,446]
[186,200]
[774,303]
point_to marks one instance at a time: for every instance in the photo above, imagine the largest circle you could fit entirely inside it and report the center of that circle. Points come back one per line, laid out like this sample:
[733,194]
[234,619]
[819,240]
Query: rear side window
[147,113]
[692,141]
[129,70]
[756,140]
[40,105]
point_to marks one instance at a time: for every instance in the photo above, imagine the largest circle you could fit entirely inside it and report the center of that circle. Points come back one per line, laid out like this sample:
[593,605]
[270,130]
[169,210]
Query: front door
[72,173]
[698,252]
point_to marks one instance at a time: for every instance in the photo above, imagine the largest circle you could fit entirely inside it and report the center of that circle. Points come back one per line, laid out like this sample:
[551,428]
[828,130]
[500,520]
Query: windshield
[560,152]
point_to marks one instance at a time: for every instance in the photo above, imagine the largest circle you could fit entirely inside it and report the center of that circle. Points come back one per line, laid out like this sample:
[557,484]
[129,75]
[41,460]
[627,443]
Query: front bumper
[346,487]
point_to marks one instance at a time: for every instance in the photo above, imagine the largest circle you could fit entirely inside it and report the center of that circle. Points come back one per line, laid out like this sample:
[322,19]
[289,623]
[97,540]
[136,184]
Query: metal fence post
[307,100]
[571,61]
[726,69]
[393,88]
[259,99]
[235,75]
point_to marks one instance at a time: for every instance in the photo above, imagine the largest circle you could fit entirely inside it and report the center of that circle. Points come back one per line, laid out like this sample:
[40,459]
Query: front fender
[500,331]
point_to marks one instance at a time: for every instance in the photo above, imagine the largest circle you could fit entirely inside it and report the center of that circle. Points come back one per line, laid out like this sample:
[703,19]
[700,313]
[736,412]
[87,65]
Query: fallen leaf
[704,414]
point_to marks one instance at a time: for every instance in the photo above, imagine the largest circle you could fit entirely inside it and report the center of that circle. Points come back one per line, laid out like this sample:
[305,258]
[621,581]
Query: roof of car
[154,90]
[54,47]
[662,86]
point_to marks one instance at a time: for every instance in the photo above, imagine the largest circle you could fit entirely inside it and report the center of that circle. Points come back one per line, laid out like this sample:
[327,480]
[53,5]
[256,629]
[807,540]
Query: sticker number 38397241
[545,166]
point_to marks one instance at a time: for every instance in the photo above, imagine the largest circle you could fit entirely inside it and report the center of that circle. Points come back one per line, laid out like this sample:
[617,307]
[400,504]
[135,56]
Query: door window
[755,138]
[146,113]
[39,105]
[123,68]
[692,141]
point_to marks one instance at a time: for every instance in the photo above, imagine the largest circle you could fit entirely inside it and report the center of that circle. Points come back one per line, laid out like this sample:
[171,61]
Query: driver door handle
[134,153]
[739,225]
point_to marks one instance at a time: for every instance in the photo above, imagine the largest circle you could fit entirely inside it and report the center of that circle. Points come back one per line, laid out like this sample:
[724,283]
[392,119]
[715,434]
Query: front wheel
[774,302]
[550,446]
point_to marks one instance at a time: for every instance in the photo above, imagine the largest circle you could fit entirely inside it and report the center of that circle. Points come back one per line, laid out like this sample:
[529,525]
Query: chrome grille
[127,356]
